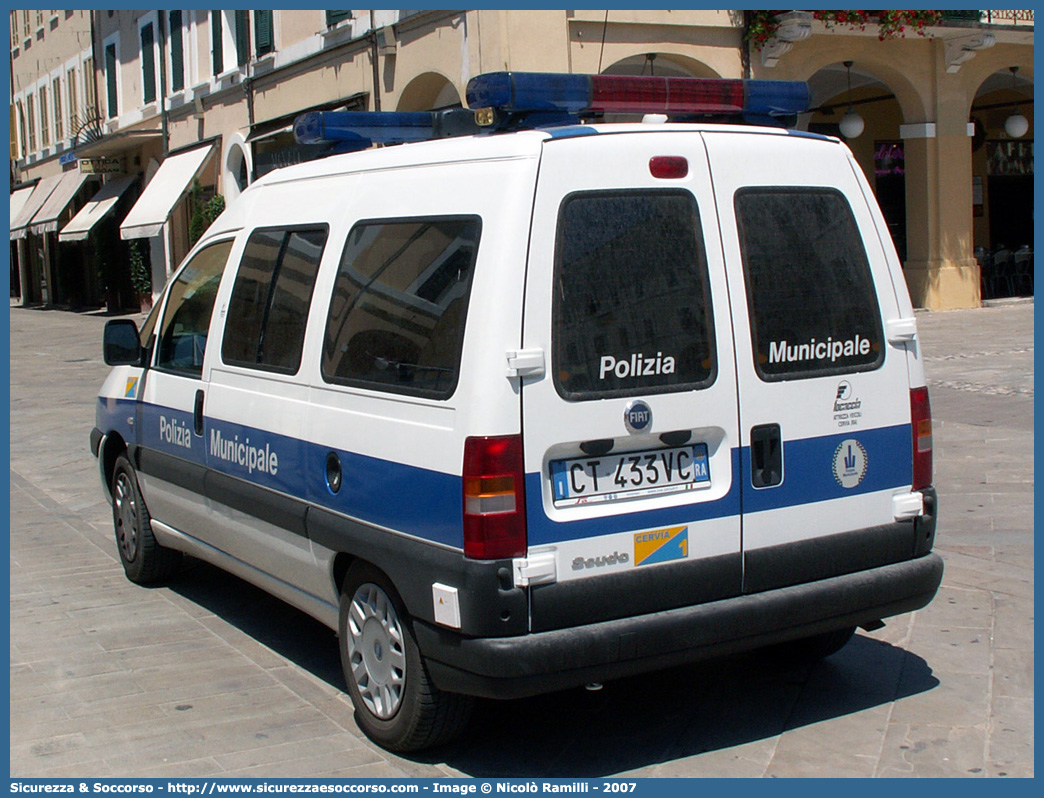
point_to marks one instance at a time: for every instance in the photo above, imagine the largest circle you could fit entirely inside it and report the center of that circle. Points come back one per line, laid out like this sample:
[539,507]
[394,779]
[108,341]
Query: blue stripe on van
[111,415]
[428,505]
[416,501]
[808,468]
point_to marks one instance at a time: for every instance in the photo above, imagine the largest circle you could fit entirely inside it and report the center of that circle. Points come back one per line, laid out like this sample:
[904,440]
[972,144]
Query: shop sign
[889,159]
[67,158]
[100,166]
[1006,158]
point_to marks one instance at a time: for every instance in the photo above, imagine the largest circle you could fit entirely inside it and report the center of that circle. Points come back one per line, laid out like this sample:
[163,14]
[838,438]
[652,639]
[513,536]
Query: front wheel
[144,560]
[396,704]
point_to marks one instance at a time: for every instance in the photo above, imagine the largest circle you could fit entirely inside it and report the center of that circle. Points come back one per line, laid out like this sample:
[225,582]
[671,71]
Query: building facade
[174,109]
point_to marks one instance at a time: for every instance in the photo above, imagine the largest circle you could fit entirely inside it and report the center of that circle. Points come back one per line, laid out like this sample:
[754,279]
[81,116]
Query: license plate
[586,480]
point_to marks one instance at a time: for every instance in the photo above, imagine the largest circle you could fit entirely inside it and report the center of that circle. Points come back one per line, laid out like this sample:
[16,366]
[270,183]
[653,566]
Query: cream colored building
[211,96]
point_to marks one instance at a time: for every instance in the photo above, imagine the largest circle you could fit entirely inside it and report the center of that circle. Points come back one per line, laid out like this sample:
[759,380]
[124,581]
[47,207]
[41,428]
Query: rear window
[632,309]
[396,320]
[810,293]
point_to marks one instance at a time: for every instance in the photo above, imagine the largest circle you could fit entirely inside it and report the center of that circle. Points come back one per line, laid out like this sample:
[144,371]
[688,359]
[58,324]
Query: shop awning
[46,219]
[18,200]
[167,186]
[20,226]
[97,208]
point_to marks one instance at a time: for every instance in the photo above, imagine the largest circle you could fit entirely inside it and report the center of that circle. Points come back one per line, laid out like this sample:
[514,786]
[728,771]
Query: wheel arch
[112,447]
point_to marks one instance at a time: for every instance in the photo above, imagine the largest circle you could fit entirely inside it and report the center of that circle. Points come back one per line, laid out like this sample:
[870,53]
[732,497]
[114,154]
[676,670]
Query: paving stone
[932,751]
[1011,738]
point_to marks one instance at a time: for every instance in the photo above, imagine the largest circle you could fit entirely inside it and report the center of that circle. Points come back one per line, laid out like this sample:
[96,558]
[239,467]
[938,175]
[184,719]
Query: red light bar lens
[623,94]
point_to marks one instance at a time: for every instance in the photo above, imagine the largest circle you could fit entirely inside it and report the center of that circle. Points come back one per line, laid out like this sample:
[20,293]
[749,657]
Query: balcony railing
[1008,17]
[1022,18]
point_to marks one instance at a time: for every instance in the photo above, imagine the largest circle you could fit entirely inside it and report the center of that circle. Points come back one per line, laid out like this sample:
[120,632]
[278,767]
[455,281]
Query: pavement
[210,677]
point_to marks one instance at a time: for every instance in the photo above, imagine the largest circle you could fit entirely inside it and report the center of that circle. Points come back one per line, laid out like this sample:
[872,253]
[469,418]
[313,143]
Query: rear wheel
[144,560]
[396,704]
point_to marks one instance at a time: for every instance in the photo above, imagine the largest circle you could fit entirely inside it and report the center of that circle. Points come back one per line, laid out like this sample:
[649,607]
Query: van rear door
[824,396]
[630,435]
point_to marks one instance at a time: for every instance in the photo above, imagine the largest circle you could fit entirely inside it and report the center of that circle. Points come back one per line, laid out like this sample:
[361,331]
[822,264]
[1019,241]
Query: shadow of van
[631,723]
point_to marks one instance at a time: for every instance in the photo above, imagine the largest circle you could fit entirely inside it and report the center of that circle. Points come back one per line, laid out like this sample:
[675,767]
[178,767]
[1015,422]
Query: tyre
[396,705]
[144,560]
[812,649]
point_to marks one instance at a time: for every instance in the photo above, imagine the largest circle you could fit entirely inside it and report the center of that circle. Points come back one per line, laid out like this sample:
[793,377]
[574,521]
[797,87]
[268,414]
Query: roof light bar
[513,100]
[522,92]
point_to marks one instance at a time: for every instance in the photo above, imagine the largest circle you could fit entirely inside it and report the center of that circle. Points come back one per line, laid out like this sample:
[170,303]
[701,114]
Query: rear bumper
[514,667]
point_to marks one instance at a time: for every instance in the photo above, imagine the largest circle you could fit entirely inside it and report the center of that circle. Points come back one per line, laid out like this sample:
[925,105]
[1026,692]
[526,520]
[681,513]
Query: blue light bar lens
[391,127]
[777,97]
[530,91]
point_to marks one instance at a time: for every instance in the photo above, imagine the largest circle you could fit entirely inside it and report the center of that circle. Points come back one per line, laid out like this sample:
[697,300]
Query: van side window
[631,307]
[148,327]
[268,310]
[399,302]
[190,303]
[810,293]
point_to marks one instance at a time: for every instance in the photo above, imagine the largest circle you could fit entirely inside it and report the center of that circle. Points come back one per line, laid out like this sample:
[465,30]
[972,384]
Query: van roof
[492,146]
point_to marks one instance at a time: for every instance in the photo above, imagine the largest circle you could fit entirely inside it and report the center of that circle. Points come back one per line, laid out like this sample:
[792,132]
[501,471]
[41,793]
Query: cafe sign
[100,166]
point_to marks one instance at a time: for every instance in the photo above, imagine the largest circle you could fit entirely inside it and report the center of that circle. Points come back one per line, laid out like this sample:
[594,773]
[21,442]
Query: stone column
[941,271]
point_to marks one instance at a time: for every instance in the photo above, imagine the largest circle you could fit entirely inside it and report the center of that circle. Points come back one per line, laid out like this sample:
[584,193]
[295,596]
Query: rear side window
[268,310]
[631,305]
[399,303]
[190,303]
[810,293]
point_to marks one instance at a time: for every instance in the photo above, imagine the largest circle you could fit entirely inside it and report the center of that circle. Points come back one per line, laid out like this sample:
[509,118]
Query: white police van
[542,406]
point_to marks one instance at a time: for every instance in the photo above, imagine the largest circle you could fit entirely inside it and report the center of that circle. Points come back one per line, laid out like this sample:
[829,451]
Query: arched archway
[664,64]
[1002,176]
[878,148]
[427,92]
[235,167]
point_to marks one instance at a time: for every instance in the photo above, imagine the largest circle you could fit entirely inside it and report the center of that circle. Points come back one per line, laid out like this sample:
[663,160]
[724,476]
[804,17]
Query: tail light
[494,499]
[921,417]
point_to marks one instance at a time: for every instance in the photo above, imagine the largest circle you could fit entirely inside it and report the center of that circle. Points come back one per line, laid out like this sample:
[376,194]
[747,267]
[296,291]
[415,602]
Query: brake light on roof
[668,167]
[921,419]
[494,499]
[520,92]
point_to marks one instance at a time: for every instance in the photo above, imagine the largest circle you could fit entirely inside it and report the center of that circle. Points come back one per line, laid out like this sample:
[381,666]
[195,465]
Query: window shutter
[264,33]
[148,65]
[110,81]
[217,42]
[242,37]
[333,17]
[177,53]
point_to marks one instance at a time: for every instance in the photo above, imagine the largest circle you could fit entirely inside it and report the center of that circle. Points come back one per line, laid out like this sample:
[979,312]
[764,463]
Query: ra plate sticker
[132,386]
[661,545]
[850,462]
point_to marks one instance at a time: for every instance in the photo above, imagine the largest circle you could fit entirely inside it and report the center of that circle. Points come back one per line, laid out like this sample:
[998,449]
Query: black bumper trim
[515,667]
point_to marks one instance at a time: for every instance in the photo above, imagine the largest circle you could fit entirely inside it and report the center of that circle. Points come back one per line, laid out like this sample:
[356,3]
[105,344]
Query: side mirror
[121,344]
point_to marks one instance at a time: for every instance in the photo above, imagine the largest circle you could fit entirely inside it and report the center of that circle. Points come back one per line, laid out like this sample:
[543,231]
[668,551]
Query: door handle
[766,456]
[197,413]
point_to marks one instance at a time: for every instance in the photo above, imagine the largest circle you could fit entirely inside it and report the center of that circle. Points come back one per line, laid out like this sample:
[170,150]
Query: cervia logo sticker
[638,417]
[850,462]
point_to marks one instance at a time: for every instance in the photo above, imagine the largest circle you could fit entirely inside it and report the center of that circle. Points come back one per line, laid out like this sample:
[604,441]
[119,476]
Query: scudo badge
[638,417]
